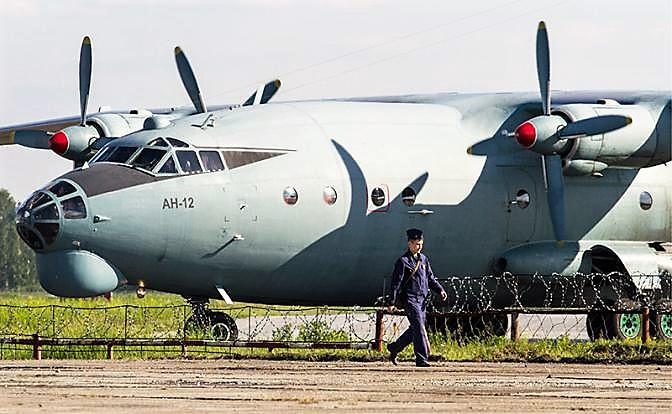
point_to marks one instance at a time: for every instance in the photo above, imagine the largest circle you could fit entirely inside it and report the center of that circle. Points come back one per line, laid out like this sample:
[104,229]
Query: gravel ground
[164,386]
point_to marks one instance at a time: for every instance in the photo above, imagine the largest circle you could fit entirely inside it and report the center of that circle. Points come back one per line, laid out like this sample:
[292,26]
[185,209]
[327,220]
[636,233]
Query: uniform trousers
[415,307]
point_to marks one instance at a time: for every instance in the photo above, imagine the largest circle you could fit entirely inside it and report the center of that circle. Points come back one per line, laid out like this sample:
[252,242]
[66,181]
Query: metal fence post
[110,355]
[645,324]
[515,334]
[125,322]
[379,330]
[37,347]
[53,321]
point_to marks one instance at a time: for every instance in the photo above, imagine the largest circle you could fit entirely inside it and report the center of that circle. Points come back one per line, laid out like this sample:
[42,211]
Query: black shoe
[393,355]
[422,364]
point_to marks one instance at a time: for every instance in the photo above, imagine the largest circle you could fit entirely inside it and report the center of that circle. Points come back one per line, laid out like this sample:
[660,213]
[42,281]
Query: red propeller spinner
[59,143]
[526,134]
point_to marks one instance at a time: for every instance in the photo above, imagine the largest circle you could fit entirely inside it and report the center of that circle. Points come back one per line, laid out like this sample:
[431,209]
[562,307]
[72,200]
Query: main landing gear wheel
[211,325]
[662,324]
[605,325]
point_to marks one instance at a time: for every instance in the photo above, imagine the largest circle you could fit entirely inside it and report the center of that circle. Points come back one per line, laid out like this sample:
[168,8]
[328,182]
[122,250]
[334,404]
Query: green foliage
[315,331]
[319,331]
[283,333]
[163,315]
[17,261]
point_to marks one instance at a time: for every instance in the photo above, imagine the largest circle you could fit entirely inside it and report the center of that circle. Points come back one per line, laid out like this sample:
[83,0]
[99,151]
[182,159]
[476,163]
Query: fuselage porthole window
[211,161]
[188,162]
[290,195]
[408,196]
[645,200]
[168,166]
[378,197]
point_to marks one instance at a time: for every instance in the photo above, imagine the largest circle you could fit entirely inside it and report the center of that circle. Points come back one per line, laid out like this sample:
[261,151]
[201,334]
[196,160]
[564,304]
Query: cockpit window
[148,158]
[168,166]
[120,154]
[239,158]
[36,200]
[211,161]
[159,142]
[62,188]
[49,231]
[188,161]
[50,212]
[73,208]
[177,143]
[30,237]
[99,154]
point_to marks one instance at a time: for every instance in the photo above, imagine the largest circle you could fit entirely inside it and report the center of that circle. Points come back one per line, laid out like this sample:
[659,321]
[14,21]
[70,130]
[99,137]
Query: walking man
[411,280]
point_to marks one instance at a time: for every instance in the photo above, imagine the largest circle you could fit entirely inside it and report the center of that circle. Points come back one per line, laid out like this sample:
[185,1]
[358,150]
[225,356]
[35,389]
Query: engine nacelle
[74,142]
[643,143]
[118,125]
[80,143]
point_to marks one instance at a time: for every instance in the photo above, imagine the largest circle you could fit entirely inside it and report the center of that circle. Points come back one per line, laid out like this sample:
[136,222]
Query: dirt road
[271,386]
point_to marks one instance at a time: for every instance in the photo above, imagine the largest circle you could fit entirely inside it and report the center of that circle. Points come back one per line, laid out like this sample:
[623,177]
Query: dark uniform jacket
[414,288]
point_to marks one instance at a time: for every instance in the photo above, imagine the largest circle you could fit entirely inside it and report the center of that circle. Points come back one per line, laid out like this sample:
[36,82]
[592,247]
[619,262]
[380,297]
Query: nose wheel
[210,325]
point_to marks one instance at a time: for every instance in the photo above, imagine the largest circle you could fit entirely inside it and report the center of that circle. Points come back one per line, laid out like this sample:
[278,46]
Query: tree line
[17,261]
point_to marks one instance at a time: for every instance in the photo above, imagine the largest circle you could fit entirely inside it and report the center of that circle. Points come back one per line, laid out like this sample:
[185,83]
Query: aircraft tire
[662,325]
[626,325]
[223,327]
[212,325]
[608,325]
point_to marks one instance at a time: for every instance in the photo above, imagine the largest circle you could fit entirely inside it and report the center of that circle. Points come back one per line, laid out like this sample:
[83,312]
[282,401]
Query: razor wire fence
[535,308]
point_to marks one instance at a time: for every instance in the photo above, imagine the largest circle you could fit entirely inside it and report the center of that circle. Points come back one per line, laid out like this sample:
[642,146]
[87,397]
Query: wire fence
[582,307]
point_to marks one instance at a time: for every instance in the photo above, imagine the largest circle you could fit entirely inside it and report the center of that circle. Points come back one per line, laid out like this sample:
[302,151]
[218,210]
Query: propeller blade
[594,126]
[32,138]
[555,193]
[84,76]
[544,68]
[264,93]
[189,80]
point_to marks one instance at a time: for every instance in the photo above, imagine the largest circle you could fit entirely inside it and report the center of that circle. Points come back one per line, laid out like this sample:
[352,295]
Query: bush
[319,331]
[284,333]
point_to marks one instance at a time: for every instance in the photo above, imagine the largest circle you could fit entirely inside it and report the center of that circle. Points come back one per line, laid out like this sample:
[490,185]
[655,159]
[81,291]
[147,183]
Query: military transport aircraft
[307,202]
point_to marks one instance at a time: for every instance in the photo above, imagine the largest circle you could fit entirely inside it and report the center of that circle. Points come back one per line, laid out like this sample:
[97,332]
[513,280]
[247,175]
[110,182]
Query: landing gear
[662,324]
[207,324]
[465,328]
[606,325]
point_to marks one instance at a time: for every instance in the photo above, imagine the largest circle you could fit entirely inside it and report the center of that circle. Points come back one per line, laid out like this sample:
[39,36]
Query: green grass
[493,350]
[126,316]
[162,316]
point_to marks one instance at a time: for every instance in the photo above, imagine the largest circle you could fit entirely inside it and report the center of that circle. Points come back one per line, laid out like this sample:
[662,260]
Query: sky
[318,48]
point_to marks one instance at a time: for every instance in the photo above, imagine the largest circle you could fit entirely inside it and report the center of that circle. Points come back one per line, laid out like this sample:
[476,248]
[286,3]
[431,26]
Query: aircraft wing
[7,133]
